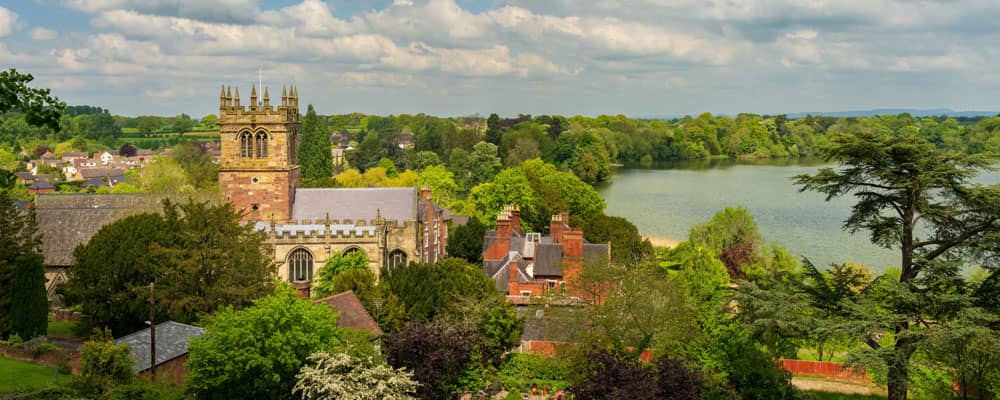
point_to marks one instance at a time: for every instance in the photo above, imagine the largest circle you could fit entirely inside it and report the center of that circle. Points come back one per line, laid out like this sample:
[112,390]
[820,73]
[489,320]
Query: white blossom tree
[332,376]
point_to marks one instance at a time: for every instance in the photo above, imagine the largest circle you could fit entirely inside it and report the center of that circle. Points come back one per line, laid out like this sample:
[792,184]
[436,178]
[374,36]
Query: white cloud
[42,34]
[8,19]
[242,11]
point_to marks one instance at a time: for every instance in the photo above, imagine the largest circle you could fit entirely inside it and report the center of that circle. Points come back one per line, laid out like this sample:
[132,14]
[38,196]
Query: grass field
[19,375]
[68,329]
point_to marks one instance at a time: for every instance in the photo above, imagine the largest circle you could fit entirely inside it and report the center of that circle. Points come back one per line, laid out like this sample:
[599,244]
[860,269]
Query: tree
[493,129]
[918,199]
[200,256]
[314,154]
[39,107]
[210,121]
[103,365]
[607,376]
[424,159]
[197,163]
[466,241]
[430,289]
[436,353]
[79,143]
[182,124]
[258,351]
[732,234]
[441,182]
[332,376]
[127,150]
[483,163]
[19,243]
[29,318]
[336,265]
[628,247]
[148,124]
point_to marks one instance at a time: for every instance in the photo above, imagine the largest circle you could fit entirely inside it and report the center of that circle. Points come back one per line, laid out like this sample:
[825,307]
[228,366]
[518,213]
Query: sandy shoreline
[663,241]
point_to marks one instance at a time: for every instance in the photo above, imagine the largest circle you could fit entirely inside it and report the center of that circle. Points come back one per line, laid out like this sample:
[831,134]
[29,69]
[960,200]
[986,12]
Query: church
[259,175]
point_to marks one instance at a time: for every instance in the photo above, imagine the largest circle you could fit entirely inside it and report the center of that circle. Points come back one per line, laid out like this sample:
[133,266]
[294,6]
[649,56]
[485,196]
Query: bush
[42,349]
[144,391]
[13,340]
[522,371]
[104,365]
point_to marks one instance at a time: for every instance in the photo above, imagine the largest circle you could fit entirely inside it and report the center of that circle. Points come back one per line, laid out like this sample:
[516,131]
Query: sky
[452,57]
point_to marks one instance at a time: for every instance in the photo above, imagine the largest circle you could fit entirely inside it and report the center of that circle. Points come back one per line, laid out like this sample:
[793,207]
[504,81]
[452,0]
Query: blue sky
[454,57]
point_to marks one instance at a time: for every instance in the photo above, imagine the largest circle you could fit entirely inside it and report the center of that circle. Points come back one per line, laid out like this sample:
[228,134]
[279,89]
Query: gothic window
[351,250]
[397,258]
[300,266]
[246,145]
[260,140]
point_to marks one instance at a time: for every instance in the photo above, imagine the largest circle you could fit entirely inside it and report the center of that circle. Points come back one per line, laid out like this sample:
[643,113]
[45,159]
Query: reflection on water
[667,200]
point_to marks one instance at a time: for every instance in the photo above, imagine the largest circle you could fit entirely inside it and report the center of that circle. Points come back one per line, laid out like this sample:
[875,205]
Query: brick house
[528,264]
[352,313]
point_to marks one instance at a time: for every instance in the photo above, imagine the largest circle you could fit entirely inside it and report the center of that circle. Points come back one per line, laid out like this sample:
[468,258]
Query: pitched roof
[68,220]
[355,204]
[75,154]
[40,184]
[352,313]
[171,342]
[89,173]
[548,259]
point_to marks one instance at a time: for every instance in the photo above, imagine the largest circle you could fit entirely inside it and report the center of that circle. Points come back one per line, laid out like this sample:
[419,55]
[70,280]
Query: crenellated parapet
[329,229]
[230,107]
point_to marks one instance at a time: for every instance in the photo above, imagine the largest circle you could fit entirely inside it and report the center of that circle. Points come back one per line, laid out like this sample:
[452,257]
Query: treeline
[588,146]
[97,124]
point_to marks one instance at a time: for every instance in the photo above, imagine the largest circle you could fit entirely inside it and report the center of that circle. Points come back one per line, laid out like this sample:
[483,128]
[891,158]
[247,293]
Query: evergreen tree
[493,133]
[29,318]
[18,238]
[314,154]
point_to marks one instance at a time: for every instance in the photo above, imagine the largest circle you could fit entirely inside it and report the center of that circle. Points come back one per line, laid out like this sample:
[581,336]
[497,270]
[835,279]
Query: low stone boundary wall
[825,369]
[51,359]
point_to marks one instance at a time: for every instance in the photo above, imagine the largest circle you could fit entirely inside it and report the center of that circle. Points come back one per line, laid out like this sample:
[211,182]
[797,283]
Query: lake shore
[663,241]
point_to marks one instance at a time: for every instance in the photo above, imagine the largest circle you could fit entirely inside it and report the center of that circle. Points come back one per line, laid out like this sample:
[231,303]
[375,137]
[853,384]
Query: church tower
[258,169]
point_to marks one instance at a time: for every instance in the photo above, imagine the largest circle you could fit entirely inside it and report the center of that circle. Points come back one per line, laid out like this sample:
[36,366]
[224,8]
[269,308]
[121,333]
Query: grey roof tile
[355,204]
[171,342]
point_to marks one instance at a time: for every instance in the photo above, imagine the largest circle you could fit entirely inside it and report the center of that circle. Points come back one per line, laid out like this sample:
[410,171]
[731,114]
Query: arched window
[246,145]
[300,266]
[351,250]
[261,143]
[397,258]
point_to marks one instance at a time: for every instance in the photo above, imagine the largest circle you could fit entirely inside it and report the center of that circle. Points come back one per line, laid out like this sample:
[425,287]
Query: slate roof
[75,154]
[355,203]
[548,259]
[594,253]
[67,220]
[555,323]
[352,312]
[89,173]
[171,342]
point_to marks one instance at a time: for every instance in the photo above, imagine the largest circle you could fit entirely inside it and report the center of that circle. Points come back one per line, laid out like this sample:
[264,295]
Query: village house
[69,156]
[526,264]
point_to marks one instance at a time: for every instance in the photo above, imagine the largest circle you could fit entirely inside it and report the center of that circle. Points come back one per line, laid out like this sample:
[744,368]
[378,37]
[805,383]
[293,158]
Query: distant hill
[932,112]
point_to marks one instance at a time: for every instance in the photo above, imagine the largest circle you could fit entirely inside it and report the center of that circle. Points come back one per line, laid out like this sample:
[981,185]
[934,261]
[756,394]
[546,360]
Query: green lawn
[68,328]
[19,375]
[814,395]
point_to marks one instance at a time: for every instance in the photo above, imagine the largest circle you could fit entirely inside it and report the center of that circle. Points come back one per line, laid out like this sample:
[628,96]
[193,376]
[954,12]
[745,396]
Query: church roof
[355,204]
[68,220]
[352,312]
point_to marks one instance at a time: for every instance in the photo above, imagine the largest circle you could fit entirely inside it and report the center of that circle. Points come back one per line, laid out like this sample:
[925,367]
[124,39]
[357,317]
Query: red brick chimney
[513,285]
[501,246]
[515,219]
[556,227]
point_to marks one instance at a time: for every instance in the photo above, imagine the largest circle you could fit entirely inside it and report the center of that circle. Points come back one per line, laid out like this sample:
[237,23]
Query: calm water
[666,202]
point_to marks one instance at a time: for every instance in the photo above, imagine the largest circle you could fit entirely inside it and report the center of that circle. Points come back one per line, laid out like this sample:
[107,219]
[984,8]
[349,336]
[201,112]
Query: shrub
[522,371]
[335,376]
[42,349]
[145,391]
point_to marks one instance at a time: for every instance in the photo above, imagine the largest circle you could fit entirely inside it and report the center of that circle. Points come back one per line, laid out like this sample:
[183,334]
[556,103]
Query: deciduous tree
[258,351]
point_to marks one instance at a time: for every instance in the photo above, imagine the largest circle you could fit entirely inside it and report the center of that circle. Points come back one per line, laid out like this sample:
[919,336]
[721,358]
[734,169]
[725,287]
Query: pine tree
[314,152]
[29,318]
[18,238]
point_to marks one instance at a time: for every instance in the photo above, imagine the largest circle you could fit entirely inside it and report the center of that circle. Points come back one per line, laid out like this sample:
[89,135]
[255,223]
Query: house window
[397,258]
[300,266]
[525,293]
[260,140]
[246,145]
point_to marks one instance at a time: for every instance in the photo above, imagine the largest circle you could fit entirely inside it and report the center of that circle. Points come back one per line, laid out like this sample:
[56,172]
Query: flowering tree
[340,376]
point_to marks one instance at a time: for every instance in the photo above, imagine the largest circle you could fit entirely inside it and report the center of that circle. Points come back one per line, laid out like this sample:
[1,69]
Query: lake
[665,202]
